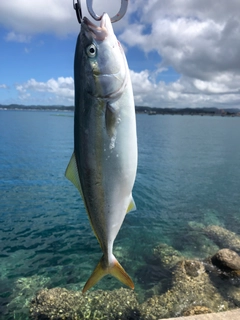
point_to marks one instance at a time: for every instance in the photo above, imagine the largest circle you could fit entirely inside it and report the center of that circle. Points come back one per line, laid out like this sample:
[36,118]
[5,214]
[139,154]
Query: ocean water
[189,170]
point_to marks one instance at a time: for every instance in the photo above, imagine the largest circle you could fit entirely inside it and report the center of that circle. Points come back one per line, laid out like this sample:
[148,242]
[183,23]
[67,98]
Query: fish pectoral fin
[71,173]
[101,270]
[110,120]
[131,206]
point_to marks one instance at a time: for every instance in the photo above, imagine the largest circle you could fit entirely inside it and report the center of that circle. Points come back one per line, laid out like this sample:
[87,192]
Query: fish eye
[91,51]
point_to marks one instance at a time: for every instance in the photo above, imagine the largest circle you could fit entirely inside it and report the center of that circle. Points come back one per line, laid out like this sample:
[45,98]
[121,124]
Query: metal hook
[117,17]
[77,7]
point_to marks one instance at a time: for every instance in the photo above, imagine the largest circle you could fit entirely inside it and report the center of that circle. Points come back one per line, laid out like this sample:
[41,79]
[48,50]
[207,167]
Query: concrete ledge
[228,315]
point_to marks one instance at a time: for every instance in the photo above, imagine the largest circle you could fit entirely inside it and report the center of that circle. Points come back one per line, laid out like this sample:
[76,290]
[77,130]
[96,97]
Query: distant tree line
[139,109]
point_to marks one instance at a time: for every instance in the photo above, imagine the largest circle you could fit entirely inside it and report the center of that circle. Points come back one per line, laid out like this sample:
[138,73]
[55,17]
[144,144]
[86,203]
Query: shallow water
[188,171]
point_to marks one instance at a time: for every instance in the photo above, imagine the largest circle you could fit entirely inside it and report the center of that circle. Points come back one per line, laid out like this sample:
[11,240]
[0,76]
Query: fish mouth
[99,33]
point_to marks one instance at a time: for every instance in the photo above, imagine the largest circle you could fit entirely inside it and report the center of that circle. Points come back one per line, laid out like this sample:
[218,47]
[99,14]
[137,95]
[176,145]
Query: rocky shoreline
[197,287]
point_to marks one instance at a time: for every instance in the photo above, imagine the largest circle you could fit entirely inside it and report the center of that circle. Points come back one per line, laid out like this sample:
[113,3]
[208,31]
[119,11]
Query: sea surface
[188,171]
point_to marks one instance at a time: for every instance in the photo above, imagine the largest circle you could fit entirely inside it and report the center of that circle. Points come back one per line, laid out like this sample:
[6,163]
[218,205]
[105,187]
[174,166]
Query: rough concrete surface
[228,315]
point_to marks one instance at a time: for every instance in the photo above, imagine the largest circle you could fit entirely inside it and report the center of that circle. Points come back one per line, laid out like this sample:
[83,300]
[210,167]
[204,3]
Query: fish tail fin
[118,272]
[98,273]
[102,269]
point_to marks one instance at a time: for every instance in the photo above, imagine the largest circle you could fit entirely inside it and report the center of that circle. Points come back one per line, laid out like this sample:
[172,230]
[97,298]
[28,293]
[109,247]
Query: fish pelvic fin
[102,269]
[131,206]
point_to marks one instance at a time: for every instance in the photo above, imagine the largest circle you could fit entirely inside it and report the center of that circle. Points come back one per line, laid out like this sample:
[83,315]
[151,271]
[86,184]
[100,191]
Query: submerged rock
[192,292]
[223,237]
[234,294]
[167,255]
[196,310]
[23,292]
[196,225]
[191,287]
[227,260]
[59,303]
[202,244]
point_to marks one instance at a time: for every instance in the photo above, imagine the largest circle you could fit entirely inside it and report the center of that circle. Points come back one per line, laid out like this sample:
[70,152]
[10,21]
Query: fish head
[104,60]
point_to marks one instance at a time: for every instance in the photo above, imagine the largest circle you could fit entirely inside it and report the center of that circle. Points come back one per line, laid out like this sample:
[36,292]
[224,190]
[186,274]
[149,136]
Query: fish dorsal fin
[131,206]
[71,173]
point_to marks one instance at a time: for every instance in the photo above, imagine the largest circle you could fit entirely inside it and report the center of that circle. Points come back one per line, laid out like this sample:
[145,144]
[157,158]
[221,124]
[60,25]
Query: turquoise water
[188,171]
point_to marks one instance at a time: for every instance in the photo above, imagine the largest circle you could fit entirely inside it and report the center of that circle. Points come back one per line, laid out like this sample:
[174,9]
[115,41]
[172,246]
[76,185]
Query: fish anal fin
[71,173]
[131,206]
[101,270]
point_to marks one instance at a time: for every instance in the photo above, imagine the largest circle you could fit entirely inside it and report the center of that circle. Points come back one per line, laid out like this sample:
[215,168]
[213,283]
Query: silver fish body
[104,162]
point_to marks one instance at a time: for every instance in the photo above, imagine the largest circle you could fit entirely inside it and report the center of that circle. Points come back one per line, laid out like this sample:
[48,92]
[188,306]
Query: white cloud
[152,10]
[194,48]
[28,17]
[61,86]
[223,91]
[31,17]
[60,90]
[186,92]
[12,36]
[3,86]
[198,39]
[27,50]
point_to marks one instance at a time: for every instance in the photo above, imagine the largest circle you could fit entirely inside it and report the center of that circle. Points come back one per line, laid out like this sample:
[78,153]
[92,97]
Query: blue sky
[181,53]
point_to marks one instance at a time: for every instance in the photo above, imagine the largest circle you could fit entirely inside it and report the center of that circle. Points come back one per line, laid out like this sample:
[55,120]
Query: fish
[103,165]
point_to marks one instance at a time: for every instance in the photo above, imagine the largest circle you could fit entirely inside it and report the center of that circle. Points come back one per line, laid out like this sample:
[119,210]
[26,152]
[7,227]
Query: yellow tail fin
[102,269]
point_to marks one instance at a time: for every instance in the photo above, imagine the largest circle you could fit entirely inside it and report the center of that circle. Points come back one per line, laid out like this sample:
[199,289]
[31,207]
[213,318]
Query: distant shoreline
[36,108]
[233,112]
